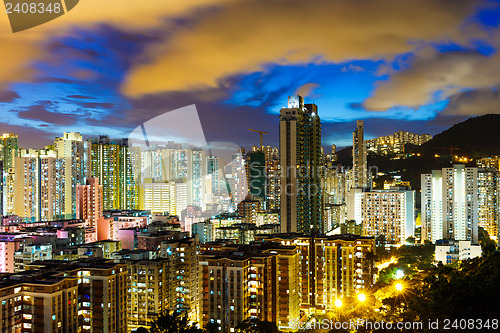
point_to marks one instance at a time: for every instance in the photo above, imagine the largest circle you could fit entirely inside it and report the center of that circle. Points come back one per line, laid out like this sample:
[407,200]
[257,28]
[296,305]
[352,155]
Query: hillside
[475,137]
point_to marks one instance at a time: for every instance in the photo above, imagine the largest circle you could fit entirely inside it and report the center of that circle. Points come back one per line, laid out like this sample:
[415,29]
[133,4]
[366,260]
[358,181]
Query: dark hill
[475,137]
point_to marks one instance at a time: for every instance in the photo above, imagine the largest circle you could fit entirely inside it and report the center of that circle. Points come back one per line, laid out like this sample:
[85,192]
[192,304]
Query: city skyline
[235,166]
[108,73]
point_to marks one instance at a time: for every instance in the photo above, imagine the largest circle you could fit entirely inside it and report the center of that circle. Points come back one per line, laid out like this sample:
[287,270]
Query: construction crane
[451,148]
[260,133]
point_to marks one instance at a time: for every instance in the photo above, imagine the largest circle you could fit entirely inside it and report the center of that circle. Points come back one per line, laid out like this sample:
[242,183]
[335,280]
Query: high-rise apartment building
[149,291]
[213,169]
[183,276]
[176,163]
[162,196]
[238,181]
[450,204]
[390,213]
[256,175]
[335,185]
[257,281]
[273,184]
[488,196]
[76,153]
[248,209]
[395,143]
[301,160]
[331,267]
[40,185]
[9,149]
[117,167]
[359,164]
[59,296]
[89,204]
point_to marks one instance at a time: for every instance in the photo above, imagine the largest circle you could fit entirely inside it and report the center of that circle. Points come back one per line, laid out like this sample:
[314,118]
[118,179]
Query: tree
[173,322]
[487,244]
[410,240]
[470,291]
[211,328]
[252,325]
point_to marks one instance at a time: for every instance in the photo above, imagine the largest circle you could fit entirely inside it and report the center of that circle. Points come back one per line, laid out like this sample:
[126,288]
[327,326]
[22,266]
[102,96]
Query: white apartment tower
[76,153]
[39,191]
[383,212]
[450,204]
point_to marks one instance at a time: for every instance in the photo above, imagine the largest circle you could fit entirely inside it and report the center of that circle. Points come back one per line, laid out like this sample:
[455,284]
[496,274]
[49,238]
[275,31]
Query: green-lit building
[256,174]
[117,166]
[301,167]
[9,149]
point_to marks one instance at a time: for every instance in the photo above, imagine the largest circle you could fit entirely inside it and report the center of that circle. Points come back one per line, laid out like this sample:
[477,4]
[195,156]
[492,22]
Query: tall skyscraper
[89,204]
[450,204]
[359,167]
[273,184]
[256,175]
[215,173]
[9,149]
[300,159]
[488,196]
[39,186]
[116,165]
[1,188]
[76,153]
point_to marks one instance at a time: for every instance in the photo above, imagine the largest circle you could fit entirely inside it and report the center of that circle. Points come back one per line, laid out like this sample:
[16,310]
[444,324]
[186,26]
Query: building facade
[301,172]
[390,213]
[359,163]
[450,204]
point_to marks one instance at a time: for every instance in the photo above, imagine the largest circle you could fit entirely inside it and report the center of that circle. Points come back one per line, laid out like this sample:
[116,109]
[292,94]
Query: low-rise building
[450,251]
[30,253]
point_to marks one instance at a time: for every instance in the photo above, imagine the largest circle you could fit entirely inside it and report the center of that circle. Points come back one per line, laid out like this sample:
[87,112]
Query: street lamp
[399,286]
[361,297]
[338,303]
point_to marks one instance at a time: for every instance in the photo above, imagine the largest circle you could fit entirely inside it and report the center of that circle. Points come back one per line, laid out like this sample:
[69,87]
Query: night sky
[108,66]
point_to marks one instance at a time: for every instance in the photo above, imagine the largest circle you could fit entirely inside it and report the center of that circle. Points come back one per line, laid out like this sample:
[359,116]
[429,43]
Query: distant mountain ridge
[475,137]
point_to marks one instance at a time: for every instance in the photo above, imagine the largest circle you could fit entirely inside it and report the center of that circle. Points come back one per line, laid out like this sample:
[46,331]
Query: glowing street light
[400,274]
[399,287]
[361,297]
[338,303]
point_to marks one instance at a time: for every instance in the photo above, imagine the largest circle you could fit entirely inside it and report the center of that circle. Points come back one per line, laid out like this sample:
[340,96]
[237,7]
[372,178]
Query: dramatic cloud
[20,50]
[437,76]
[40,112]
[475,102]
[8,96]
[80,97]
[15,58]
[246,35]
